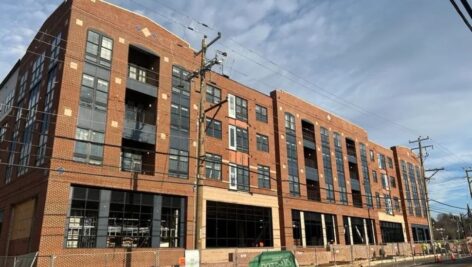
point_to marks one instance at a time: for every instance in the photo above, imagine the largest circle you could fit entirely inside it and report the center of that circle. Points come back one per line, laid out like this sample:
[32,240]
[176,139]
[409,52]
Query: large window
[46,116]
[113,218]
[262,142]
[396,204]
[90,132]
[381,160]
[241,108]
[232,225]
[378,201]
[131,161]
[391,232]
[213,166]
[328,172]
[263,176]
[340,168]
[89,146]
[213,128]
[55,50]
[83,218]
[374,176]
[261,113]
[99,49]
[37,70]
[292,156]
[180,123]
[178,163]
[313,229]
[420,233]
[388,204]
[393,182]
[238,139]
[130,220]
[213,94]
[238,177]
[28,132]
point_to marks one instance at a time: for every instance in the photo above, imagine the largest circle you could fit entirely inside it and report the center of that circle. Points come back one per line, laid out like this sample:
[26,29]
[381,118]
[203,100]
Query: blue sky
[399,69]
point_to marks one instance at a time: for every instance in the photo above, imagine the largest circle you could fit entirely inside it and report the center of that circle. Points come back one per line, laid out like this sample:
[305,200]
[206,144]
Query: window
[3,131]
[46,117]
[22,87]
[238,177]
[385,181]
[213,166]
[390,162]
[393,183]
[234,225]
[130,220]
[213,128]
[261,113]
[89,146]
[372,157]
[213,94]
[328,171]
[374,176]
[388,204]
[238,139]
[381,160]
[241,109]
[131,161]
[396,204]
[377,200]
[178,163]
[263,176]
[83,218]
[262,142]
[237,107]
[55,50]
[99,49]
[28,132]
[340,168]
[37,70]
[391,232]
[126,219]
[289,122]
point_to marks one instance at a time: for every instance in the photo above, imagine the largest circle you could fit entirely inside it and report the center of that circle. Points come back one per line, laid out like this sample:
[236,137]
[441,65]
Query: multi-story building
[99,151]
[412,190]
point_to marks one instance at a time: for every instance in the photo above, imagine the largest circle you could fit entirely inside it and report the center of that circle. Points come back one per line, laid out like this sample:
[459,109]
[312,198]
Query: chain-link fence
[392,254]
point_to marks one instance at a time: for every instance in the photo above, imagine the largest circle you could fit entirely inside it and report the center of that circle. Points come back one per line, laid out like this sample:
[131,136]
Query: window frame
[260,116]
[263,176]
[260,144]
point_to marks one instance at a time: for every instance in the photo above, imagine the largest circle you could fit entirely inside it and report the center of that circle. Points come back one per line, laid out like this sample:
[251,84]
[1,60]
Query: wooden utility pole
[423,181]
[469,181]
[204,67]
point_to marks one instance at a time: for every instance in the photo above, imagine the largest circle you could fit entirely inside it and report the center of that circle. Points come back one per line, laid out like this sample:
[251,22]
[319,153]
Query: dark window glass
[262,142]
[213,128]
[389,162]
[242,141]
[178,163]
[328,172]
[374,176]
[213,166]
[377,200]
[130,220]
[213,94]
[242,173]
[83,218]
[391,232]
[241,108]
[393,182]
[131,161]
[261,113]
[263,176]
[296,228]
[396,203]
[98,49]
[232,225]
[313,229]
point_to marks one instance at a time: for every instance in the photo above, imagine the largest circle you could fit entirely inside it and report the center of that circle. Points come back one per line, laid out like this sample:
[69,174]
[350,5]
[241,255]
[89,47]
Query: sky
[398,69]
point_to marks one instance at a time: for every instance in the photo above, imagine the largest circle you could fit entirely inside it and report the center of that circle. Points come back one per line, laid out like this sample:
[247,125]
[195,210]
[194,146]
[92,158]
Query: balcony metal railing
[142,74]
[139,131]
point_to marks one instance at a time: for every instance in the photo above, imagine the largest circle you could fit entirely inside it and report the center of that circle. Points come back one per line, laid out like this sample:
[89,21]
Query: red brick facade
[49,184]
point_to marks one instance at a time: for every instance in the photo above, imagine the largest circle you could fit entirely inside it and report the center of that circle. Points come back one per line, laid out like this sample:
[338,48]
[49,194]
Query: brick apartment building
[98,151]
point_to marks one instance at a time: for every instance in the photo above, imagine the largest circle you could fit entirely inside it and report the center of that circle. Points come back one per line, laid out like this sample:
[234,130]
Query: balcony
[352,159]
[139,131]
[355,185]
[311,173]
[142,80]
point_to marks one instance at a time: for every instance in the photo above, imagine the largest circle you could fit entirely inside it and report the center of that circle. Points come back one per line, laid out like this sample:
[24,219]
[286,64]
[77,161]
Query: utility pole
[420,148]
[204,67]
[467,171]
